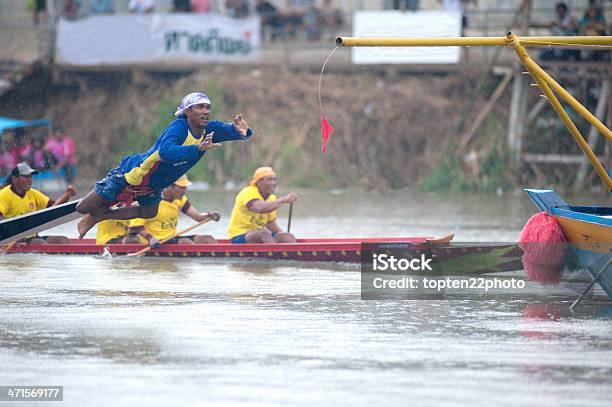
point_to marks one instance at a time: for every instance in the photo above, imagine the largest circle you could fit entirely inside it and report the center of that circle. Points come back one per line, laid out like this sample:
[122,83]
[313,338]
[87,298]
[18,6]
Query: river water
[164,331]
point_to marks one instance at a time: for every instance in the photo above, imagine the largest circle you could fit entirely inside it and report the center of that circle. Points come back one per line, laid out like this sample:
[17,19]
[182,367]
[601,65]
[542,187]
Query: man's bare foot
[86,223]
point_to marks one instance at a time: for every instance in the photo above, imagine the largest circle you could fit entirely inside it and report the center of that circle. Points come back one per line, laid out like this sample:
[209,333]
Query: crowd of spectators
[314,21]
[298,18]
[592,22]
[57,153]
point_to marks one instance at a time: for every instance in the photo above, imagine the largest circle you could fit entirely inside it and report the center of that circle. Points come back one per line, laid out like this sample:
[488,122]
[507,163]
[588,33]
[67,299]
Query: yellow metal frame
[545,81]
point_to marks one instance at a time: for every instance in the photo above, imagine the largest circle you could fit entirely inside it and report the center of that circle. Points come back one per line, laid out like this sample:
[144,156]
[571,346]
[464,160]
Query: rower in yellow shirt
[163,225]
[253,218]
[112,231]
[18,198]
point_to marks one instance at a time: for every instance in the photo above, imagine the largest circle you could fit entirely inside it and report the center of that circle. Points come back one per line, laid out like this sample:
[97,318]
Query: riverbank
[393,129]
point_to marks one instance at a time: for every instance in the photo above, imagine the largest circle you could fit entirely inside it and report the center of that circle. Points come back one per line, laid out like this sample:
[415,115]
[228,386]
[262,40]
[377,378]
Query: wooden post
[535,110]
[518,104]
[467,136]
[518,108]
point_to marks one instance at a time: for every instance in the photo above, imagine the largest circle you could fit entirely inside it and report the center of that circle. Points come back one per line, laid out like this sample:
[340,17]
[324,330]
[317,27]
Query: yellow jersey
[244,220]
[12,205]
[110,229]
[164,224]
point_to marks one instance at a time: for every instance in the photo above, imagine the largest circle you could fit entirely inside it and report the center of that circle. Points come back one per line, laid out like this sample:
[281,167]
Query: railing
[21,40]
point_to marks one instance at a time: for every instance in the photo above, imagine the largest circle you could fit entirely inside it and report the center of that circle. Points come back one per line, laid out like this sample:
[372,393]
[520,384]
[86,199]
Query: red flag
[326,131]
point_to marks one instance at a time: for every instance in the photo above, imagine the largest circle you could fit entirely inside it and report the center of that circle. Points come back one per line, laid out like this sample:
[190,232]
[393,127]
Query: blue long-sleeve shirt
[174,153]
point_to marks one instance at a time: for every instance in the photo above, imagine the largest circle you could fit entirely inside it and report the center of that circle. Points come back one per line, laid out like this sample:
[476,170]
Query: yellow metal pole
[470,41]
[421,42]
[541,79]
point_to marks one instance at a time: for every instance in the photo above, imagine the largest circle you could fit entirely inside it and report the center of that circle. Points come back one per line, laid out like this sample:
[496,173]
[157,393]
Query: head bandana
[191,100]
[262,172]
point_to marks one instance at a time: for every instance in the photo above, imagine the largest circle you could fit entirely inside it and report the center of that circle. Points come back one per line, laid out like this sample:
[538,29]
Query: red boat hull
[321,250]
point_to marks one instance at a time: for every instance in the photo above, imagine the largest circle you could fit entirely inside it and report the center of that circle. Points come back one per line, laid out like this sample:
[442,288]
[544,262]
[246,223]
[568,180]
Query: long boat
[449,258]
[589,231]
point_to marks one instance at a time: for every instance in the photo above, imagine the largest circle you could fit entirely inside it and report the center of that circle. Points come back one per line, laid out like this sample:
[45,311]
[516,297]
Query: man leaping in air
[142,177]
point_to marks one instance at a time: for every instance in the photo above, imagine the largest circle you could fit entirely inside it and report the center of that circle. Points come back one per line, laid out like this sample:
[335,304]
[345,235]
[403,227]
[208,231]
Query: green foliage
[134,142]
[447,174]
[492,164]
[316,178]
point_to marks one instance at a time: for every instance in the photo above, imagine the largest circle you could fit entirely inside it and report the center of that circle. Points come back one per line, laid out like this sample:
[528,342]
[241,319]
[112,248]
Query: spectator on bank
[40,158]
[7,161]
[61,145]
[311,23]
[564,25]
[331,18]
[201,6]
[102,7]
[141,6]
[181,6]
[38,7]
[271,19]
[594,23]
[21,146]
[302,14]
[71,9]
[237,8]
[408,5]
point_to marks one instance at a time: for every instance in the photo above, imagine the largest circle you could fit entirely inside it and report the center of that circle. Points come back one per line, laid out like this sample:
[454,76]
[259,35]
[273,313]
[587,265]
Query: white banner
[168,39]
[419,24]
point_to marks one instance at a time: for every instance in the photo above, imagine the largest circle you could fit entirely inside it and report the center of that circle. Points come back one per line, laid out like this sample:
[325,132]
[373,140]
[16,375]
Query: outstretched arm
[70,192]
[259,206]
[196,215]
[237,130]
[140,230]
[240,125]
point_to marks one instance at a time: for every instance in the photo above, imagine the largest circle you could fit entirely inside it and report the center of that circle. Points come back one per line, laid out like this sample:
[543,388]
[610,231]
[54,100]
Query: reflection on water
[166,331]
[66,344]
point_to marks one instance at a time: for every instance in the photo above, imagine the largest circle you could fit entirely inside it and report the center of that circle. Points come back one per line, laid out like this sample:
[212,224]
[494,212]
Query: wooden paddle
[6,248]
[182,232]
[441,240]
[289,220]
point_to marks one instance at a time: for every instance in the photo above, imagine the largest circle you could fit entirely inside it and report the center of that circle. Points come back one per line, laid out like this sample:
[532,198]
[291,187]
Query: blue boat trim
[584,217]
[546,199]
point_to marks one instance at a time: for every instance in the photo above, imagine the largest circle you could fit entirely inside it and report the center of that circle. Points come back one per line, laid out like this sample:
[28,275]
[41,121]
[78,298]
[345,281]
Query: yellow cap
[182,182]
[262,172]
